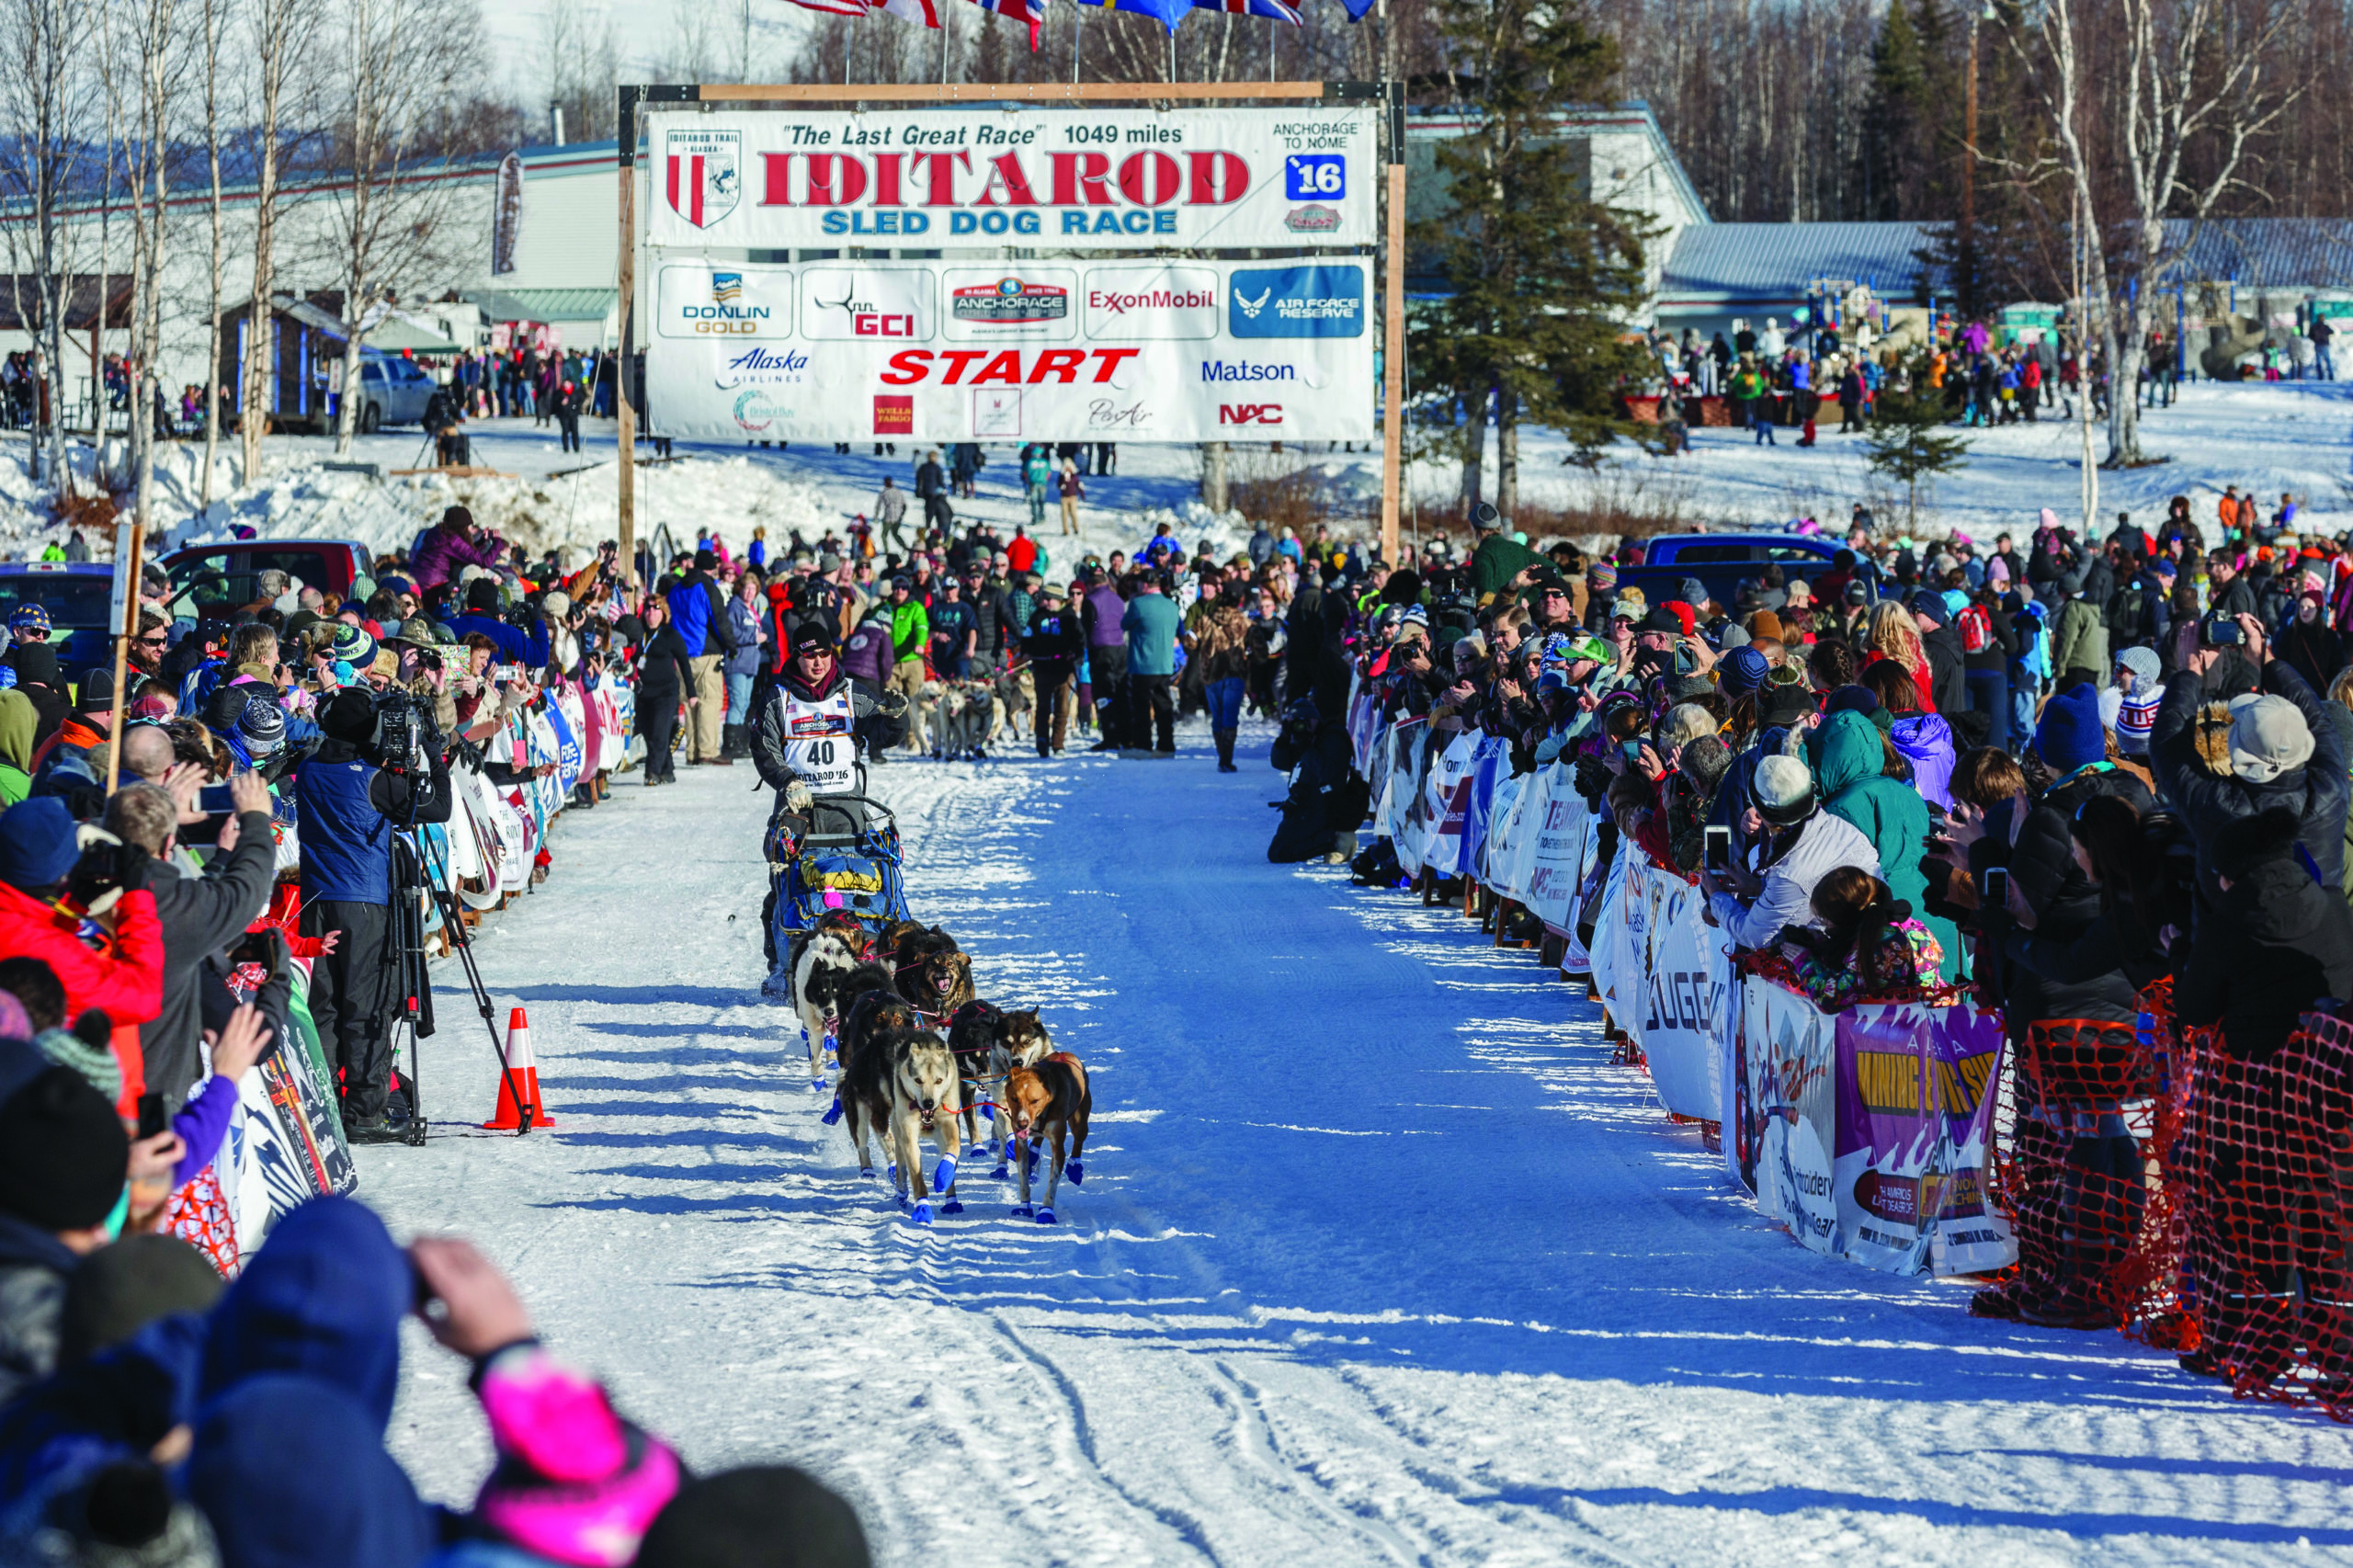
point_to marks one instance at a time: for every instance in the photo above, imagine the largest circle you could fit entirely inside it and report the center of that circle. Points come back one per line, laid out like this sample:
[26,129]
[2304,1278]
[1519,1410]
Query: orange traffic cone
[522,1073]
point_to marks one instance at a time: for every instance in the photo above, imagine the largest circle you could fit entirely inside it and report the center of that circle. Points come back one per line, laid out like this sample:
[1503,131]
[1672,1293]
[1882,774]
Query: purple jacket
[444,554]
[1103,625]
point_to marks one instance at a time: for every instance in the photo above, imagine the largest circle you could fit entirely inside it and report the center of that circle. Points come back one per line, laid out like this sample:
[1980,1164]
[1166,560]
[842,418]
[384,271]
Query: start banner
[1138,350]
[1082,179]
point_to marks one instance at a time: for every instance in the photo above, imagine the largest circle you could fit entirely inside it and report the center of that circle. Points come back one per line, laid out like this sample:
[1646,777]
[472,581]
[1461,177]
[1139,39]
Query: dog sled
[847,863]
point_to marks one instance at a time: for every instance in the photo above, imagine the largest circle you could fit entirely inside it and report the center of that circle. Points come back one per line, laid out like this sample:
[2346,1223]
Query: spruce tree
[1908,441]
[1543,284]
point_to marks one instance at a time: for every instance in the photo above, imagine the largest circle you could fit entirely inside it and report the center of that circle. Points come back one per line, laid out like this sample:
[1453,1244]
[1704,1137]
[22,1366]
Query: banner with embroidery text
[1687,1018]
[980,350]
[1054,179]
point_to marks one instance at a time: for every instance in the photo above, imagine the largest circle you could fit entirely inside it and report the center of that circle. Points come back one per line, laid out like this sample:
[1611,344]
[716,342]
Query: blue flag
[1358,9]
[1170,11]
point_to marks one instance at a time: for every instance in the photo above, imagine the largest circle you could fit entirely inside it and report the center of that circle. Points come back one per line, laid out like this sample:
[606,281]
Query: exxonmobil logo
[1249,412]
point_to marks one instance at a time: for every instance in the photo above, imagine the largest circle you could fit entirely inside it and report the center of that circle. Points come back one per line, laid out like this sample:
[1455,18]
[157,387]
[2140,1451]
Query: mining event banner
[1057,351]
[1078,178]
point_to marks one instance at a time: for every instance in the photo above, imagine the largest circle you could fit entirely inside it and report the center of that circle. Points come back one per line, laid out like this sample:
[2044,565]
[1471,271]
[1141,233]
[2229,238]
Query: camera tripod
[419,866]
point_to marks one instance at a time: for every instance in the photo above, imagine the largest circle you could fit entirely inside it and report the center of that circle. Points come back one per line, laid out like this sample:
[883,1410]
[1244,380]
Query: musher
[805,741]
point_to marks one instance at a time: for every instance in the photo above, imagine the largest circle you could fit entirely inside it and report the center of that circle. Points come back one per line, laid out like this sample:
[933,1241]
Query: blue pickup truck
[1723,562]
[76,595]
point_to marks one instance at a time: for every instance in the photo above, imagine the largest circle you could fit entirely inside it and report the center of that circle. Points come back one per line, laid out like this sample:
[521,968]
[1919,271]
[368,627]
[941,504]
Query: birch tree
[279,32]
[214,16]
[2185,80]
[156,56]
[392,209]
[47,113]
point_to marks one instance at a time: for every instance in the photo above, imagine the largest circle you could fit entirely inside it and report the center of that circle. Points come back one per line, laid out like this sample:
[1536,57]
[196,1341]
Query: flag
[1170,11]
[1274,10]
[833,7]
[922,13]
[1033,12]
[1358,9]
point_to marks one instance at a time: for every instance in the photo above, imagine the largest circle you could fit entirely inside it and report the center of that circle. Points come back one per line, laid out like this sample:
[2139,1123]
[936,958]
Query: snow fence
[1867,1133]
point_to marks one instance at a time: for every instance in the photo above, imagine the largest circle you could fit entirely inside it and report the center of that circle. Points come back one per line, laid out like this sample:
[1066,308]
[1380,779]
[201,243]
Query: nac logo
[1250,413]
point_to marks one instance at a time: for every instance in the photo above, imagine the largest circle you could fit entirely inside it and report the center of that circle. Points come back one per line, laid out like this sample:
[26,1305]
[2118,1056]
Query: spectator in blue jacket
[481,614]
[699,612]
[1151,624]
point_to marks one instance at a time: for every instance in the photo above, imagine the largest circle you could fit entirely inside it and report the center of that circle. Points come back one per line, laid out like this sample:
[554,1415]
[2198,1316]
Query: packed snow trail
[1378,1259]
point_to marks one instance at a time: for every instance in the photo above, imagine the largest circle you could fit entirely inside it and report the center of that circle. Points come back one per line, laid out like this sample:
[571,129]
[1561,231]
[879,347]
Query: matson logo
[1250,413]
[1245,371]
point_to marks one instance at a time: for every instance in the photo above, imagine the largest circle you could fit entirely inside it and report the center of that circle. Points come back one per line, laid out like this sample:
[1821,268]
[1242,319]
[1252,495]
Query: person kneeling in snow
[806,741]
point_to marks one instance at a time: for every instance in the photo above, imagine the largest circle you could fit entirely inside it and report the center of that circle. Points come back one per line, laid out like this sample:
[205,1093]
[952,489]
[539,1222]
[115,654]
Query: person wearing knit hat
[28,623]
[64,1165]
[2070,736]
[1765,623]
[121,1288]
[764,1516]
[1742,670]
[2130,707]
[351,645]
[1787,844]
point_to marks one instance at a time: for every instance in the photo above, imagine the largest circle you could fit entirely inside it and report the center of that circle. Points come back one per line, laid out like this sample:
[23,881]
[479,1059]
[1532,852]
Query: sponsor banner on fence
[1013,352]
[1081,179]
[1446,802]
[1788,1117]
[1687,1016]
[1557,841]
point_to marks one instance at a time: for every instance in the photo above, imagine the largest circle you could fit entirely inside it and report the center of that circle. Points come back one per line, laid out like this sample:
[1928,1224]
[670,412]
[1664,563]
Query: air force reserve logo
[703,173]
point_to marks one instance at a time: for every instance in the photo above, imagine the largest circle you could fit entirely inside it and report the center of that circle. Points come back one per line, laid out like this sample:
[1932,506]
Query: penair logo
[1297,302]
[1009,302]
[702,173]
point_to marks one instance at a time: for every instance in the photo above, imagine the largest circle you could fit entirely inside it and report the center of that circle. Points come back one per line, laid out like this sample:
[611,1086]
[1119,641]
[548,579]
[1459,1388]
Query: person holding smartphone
[1792,844]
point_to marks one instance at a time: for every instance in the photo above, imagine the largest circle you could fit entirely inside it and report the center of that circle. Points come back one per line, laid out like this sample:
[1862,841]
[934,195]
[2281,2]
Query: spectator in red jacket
[123,973]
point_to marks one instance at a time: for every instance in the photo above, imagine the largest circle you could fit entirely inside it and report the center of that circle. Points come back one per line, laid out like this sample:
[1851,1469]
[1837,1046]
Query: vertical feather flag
[1274,10]
[922,13]
[834,7]
[1031,11]
[1169,12]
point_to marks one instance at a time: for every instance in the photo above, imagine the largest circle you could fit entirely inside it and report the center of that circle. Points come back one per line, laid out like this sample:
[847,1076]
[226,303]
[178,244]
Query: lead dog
[1048,1101]
[989,1043]
[901,1085]
[940,982]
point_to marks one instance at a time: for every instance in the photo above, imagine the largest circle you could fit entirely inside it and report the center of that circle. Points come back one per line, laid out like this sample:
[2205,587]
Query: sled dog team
[877,1005]
[964,717]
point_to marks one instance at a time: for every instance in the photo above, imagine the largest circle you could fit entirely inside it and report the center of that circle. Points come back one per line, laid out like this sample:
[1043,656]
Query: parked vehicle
[77,595]
[217,579]
[393,390]
[1723,562]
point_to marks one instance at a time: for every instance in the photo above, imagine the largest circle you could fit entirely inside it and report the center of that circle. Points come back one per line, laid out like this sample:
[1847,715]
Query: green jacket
[1847,768]
[1747,384]
[2079,641]
[910,630]
[18,719]
[1499,559]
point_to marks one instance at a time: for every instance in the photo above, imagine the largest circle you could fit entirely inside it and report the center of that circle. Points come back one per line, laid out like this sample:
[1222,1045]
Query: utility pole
[1968,248]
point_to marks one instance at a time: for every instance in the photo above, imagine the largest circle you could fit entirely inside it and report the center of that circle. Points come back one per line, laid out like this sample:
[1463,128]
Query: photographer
[352,795]
[200,915]
[483,617]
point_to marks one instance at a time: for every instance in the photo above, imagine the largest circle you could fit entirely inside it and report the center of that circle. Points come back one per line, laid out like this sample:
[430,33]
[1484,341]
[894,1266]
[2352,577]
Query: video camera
[404,739]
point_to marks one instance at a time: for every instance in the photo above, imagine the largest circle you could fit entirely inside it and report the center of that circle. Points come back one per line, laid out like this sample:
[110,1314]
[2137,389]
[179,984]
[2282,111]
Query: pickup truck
[217,579]
[1723,562]
[76,595]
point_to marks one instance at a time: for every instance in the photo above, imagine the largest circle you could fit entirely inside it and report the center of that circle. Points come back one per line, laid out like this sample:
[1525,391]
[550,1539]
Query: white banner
[1555,850]
[1446,802]
[1687,1019]
[1081,179]
[1011,351]
[1791,1053]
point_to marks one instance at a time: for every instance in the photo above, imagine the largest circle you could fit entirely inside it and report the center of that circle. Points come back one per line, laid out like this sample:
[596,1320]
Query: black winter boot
[1225,739]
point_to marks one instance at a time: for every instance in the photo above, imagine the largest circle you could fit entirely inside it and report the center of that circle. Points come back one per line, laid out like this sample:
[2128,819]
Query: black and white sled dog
[901,1083]
[828,958]
[990,1044]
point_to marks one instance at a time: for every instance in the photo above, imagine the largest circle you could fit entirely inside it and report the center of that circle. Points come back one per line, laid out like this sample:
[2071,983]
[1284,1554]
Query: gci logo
[1250,413]
[881,325]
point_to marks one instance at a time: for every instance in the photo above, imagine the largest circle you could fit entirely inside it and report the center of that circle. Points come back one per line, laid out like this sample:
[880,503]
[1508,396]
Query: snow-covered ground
[2294,439]
[1378,1258]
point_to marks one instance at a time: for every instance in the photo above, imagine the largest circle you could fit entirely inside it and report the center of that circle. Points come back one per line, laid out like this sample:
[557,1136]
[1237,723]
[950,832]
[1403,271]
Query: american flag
[1031,11]
[922,13]
[1276,10]
[833,7]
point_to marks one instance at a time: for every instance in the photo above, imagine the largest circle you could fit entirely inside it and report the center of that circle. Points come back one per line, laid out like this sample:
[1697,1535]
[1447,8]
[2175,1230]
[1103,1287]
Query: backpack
[1976,630]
